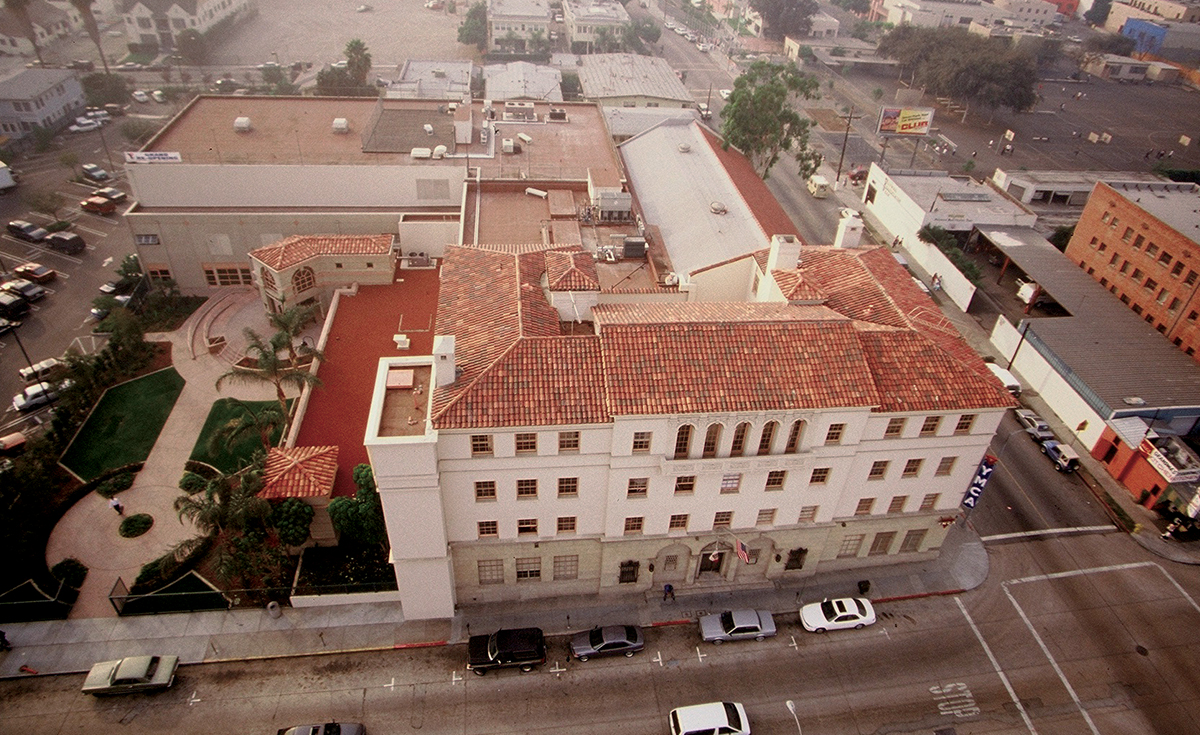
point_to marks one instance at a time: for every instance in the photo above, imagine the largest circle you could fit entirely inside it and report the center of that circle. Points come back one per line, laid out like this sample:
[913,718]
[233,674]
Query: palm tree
[358,61]
[20,9]
[290,323]
[261,422]
[270,368]
[89,22]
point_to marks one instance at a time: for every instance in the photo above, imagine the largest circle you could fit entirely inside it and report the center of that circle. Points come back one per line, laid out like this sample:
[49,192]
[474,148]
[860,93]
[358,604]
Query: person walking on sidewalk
[115,503]
[668,591]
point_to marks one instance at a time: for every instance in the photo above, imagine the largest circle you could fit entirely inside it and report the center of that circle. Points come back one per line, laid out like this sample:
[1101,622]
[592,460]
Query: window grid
[834,434]
[897,504]
[775,479]
[678,522]
[808,513]
[820,476]
[526,489]
[711,438]
[895,429]
[945,466]
[683,440]
[793,440]
[738,448]
[230,276]
[768,438]
[864,507]
[878,470]
[850,545]
[912,468]
[723,519]
[566,566]
[526,443]
[633,525]
[568,441]
[568,487]
[912,541]
[641,442]
[882,543]
[527,526]
[930,426]
[491,571]
[529,568]
[481,444]
[731,483]
[488,529]
[685,484]
[965,422]
[485,490]
[638,487]
[566,524]
[929,501]
[766,517]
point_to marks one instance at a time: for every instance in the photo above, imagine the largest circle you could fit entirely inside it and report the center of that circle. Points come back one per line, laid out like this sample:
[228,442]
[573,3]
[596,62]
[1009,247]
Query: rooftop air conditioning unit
[452,107]
[428,129]
[439,151]
[341,125]
[241,124]
[558,114]
[422,153]
[439,73]
[506,145]
[524,138]
[536,193]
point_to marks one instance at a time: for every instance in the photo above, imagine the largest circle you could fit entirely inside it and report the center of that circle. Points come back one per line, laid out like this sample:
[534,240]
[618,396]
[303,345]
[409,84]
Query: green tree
[69,160]
[647,30]
[358,61]
[786,17]
[292,520]
[473,30]
[20,9]
[101,89]
[89,23]
[192,46]
[1109,43]
[1098,13]
[289,324]
[360,519]
[44,201]
[1061,236]
[858,7]
[270,368]
[138,129]
[761,121]
[262,422]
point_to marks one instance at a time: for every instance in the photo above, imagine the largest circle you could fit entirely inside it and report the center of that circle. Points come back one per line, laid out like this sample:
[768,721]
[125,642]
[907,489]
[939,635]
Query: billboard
[905,121]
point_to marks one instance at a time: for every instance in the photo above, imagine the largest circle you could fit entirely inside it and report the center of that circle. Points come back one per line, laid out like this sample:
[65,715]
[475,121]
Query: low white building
[157,22]
[514,24]
[1030,12]
[38,98]
[943,13]
[521,80]
[631,80]
[49,22]
[587,18]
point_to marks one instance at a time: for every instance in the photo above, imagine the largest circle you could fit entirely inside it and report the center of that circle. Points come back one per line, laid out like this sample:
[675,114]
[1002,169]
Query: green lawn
[230,459]
[125,424]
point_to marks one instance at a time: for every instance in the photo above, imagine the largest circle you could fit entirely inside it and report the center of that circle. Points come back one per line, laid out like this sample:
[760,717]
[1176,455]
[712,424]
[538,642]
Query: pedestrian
[1062,106]
[115,503]
[1148,154]
[936,282]
[668,591]
[990,142]
[974,153]
[4,644]
[1064,90]
[1170,153]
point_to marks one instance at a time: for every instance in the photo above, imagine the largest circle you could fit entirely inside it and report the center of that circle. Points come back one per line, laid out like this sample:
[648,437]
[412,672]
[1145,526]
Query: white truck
[8,180]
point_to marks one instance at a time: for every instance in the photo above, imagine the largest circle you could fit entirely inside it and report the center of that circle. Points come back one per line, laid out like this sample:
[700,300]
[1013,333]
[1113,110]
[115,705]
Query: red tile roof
[302,472]
[571,271]
[299,248]
[796,288]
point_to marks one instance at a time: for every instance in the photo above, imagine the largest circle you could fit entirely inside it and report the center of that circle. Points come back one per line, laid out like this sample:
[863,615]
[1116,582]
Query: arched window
[711,439]
[268,278]
[683,441]
[303,279]
[738,449]
[797,433]
[768,437]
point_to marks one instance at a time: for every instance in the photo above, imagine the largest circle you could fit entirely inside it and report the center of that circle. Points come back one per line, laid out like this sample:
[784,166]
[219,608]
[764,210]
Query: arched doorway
[713,560]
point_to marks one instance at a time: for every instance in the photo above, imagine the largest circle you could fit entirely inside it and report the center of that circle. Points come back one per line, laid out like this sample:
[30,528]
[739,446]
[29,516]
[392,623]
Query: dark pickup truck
[523,647]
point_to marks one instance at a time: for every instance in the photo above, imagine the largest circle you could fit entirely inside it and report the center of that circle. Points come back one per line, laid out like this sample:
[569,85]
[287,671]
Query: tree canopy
[473,30]
[1109,44]
[360,519]
[785,17]
[760,120]
[1098,13]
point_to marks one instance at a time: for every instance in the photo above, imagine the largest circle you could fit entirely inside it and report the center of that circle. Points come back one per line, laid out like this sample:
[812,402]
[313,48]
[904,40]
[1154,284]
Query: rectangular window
[485,490]
[491,571]
[912,468]
[1190,280]
[633,525]
[965,422]
[929,501]
[158,275]
[1137,242]
[1165,259]
[685,484]
[882,543]
[670,562]
[723,519]
[488,529]
[1177,270]
[481,444]
[793,441]
[529,569]
[526,443]
[850,546]
[146,239]
[568,441]
[566,524]
[945,466]
[568,487]
[834,435]
[1151,249]
[766,517]
[775,479]
[864,506]
[678,522]
[1127,235]
[638,487]
[1137,274]
[895,429]
[808,514]
[711,437]
[527,526]
[1150,284]
[820,476]
[912,541]
[878,470]
[897,504]
[566,566]
[731,483]
[228,276]
[930,426]
[526,489]
[641,442]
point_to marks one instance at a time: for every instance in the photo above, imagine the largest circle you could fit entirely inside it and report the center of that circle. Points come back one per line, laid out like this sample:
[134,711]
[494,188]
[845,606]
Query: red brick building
[1139,240]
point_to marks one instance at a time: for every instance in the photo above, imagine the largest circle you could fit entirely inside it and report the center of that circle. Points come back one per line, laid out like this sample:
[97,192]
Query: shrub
[292,519]
[122,481]
[135,525]
[106,489]
[70,571]
[191,483]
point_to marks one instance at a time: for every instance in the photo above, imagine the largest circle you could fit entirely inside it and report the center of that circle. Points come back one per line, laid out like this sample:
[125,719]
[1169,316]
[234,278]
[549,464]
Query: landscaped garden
[235,430]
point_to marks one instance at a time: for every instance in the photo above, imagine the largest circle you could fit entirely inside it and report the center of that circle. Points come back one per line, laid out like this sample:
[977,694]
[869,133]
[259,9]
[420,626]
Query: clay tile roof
[301,472]
[849,286]
[299,248]
[710,311]
[795,287]
[571,271]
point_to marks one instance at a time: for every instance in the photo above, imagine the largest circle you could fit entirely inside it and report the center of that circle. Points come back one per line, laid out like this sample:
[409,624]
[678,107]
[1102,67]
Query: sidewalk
[72,646]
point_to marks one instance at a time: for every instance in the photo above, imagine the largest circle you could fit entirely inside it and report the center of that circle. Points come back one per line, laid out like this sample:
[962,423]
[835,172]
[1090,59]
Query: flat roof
[1176,205]
[1079,179]
[937,191]
[518,9]
[630,75]
[1105,347]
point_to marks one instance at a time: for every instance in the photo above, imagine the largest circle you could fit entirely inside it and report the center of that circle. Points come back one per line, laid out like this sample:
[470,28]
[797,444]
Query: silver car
[133,674]
[607,641]
[737,625]
[1034,425]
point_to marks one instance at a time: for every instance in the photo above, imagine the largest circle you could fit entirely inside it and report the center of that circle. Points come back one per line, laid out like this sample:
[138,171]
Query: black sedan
[607,641]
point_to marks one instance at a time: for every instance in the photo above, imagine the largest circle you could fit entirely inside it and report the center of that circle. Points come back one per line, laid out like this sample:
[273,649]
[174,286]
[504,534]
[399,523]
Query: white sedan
[837,614]
[84,125]
[140,96]
[725,93]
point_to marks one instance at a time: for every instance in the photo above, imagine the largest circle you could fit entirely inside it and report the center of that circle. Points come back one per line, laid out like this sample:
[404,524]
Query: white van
[818,186]
[43,369]
[1008,379]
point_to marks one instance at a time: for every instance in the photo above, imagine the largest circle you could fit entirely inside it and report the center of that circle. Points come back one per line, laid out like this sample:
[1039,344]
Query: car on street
[713,718]
[83,125]
[725,93]
[609,640]
[112,193]
[26,231]
[328,728]
[27,290]
[523,648]
[99,312]
[1034,425]
[1065,458]
[129,66]
[737,625]
[98,205]
[132,674]
[35,272]
[35,396]
[94,173]
[140,96]
[159,97]
[66,242]
[837,614]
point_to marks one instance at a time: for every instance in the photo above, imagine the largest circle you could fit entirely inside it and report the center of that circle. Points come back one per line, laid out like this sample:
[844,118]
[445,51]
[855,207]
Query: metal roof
[630,75]
[1104,350]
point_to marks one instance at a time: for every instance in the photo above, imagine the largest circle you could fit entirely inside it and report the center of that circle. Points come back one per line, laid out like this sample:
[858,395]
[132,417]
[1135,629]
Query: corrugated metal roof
[630,75]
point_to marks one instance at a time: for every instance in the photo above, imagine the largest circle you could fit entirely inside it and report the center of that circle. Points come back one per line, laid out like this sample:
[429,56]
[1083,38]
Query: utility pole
[850,117]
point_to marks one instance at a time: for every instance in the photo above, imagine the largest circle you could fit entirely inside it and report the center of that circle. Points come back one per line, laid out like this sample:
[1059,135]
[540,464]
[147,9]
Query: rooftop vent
[684,148]
[428,129]
[717,208]
[1134,401]
[241,124]
[439,73]
[341,125]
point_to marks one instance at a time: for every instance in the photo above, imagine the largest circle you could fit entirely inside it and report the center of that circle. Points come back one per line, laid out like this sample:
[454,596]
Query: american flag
[743,553]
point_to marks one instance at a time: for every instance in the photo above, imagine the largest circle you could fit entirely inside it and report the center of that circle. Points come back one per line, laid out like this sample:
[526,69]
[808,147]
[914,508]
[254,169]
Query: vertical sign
[979,481]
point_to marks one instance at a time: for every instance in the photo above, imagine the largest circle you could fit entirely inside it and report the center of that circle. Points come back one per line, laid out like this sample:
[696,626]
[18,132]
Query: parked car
[121,285]
[82,65]
[1034,425]
[7,325]
[36,272]
[725,93]
[133,674]
[1065,458]
[66,242]
[158,96]
[111,193]
[35,396]
[93,172]
[737,625]
[12,306]
[98,205]
[328,728]
[610,640]
[42,370]
[84,125]
[27,290]
[524,648]
[140,96]
[99,312]
[837,614]
[725,718]
[129,66]
[27,231]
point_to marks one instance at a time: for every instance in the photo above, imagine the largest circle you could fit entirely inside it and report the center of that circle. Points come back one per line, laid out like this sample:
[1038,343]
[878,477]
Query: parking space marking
[996,666]
[700,656]
[454,678]
[193,699]
[795,645]
[658,657]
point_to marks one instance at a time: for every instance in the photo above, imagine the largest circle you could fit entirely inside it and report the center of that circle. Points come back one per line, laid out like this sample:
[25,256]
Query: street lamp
[792,708]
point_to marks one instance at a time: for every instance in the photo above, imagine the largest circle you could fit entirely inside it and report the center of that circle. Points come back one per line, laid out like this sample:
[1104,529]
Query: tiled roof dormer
[299,472]
[296,249]
[571,271]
